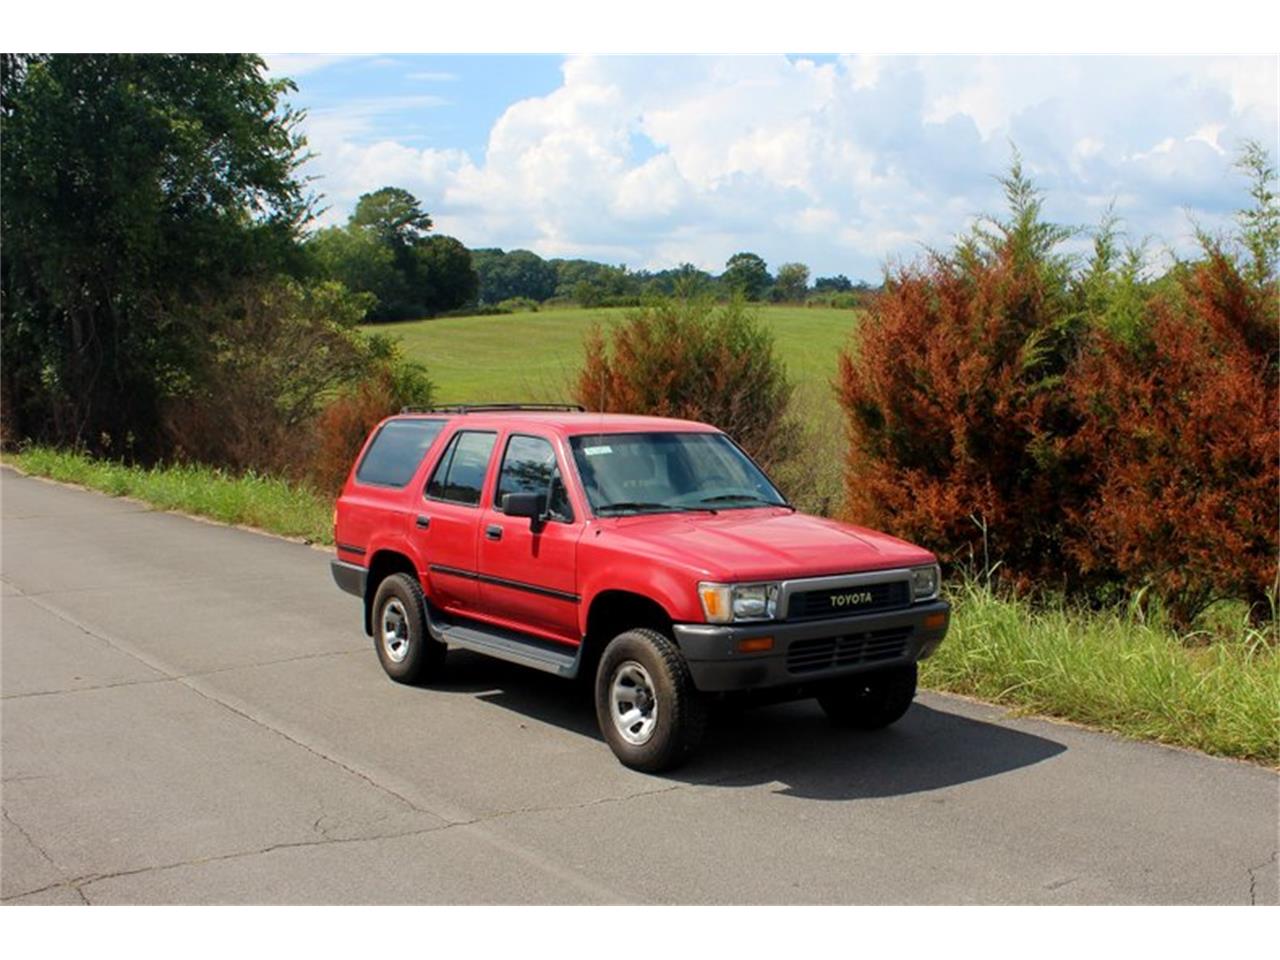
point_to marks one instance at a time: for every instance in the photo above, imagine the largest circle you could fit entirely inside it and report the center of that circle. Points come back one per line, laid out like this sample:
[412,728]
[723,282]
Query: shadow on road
[790,744]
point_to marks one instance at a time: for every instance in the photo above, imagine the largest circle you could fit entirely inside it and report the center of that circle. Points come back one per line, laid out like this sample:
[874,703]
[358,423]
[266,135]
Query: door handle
[423,521]
[493,531]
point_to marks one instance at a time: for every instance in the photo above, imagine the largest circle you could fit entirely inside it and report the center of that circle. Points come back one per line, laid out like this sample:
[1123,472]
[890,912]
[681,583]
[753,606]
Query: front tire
[870,701]
[648,709]
[408,652]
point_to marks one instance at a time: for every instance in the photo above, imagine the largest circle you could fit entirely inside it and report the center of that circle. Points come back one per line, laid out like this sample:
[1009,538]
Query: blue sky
[839,162]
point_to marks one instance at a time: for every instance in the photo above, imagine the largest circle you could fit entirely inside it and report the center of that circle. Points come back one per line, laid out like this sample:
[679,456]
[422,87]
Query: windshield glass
[626,473]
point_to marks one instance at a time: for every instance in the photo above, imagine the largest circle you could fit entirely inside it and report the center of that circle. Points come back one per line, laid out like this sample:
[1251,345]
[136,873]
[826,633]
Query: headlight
[924,582]
[727,602]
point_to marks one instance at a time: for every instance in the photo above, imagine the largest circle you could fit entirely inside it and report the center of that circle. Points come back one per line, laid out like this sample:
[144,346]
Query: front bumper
[810,650]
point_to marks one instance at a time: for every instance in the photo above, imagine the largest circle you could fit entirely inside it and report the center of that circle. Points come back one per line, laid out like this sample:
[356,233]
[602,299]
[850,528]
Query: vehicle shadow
[791,745]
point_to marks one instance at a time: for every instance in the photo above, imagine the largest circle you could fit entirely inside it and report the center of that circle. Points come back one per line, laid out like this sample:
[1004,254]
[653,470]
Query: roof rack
[484,407]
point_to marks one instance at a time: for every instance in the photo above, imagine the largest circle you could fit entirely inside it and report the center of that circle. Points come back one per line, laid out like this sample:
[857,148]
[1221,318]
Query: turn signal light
[755,644]
[935,621]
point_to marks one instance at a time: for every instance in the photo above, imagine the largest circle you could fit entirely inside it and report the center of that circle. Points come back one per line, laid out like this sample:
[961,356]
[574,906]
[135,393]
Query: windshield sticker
[596,451]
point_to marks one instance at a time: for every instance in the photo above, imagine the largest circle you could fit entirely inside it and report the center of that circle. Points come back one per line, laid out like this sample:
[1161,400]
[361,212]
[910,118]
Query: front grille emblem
[856,599]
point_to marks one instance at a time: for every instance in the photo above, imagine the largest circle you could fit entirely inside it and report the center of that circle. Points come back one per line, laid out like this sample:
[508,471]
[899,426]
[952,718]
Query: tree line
[385,250]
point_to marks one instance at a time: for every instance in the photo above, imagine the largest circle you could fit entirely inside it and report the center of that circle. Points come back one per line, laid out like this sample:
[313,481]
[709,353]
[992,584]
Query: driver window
[529,466]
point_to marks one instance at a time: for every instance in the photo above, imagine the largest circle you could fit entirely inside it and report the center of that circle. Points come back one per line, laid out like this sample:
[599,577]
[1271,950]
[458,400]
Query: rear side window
[394,455]
[460,473]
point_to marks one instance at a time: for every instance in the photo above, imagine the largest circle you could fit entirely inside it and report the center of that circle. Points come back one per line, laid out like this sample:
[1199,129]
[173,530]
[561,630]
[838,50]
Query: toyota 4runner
[650,554]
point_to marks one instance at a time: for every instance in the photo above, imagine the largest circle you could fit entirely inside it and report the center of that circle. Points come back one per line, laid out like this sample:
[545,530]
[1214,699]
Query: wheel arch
[383,564]
[613,611]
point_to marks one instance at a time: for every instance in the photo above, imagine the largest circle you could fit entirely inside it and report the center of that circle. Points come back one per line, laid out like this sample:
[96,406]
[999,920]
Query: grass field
[535,357]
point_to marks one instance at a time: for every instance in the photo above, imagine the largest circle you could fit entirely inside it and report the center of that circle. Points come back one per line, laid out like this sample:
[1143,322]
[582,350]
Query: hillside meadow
[534,356]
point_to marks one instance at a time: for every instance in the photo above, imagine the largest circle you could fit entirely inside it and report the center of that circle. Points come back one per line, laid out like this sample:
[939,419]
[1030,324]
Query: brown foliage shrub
[1184,444]
[1087,432]
[693,360]
[954,402]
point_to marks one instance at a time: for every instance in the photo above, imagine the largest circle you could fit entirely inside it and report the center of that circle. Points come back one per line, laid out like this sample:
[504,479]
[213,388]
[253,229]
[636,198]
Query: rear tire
[870,701]
[408,652]
[648,709]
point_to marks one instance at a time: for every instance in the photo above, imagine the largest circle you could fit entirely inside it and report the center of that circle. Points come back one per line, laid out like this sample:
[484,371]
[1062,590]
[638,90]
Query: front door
[528,569]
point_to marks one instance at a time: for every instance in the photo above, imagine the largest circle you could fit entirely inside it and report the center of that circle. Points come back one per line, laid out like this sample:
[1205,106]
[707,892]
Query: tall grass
[249,499]
[1116,669]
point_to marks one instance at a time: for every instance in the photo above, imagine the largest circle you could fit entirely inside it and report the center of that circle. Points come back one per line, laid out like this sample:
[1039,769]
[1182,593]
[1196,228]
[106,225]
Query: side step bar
[508,645]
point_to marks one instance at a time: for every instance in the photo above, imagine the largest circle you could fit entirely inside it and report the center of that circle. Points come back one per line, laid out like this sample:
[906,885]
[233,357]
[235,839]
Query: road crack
[1253,877]
[43,853]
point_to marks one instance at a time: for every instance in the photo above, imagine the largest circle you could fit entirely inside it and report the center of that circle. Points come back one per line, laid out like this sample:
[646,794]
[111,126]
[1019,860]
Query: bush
[518,305]
[693,360]
[953,401]
[1082,431]
[1182,435]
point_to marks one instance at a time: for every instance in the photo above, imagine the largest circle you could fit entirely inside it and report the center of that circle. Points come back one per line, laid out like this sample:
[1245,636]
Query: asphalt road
[192,714]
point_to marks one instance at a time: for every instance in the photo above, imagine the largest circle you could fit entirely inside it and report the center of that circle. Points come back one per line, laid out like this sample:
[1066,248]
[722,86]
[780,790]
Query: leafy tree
[360,261]
[445,267]
[1260,224]
[393,215]
[134,187]
[792,285]
[684,281]
[518,273]
[384,250]
[746,274]
[837,284]
[592,284]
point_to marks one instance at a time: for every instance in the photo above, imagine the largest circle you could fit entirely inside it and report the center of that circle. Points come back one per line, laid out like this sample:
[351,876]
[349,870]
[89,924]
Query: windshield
[626,473]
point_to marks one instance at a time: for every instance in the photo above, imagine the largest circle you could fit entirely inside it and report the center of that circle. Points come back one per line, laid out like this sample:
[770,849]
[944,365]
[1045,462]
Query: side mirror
[531,505]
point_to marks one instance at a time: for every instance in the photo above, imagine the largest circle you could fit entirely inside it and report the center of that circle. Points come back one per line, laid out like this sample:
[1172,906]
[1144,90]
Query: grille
[805,656]
[813,604]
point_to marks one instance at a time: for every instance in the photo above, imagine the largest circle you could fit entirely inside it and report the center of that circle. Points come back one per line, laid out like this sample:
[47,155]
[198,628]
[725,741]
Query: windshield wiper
[749,497]
[643,505]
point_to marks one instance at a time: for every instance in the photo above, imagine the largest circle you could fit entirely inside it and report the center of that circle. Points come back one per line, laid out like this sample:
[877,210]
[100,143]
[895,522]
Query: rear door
[448,520]
[528,571]
[376,496]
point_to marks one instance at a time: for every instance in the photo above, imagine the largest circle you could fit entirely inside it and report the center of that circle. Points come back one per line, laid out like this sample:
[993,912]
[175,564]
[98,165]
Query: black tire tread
[687,708]
[426,655]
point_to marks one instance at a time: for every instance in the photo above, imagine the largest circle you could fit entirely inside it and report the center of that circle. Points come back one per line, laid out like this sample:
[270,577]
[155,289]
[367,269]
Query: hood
[761,544]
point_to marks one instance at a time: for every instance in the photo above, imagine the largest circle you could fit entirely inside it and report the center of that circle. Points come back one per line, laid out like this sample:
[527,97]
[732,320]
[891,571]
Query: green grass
[535,356]
[250,500]
[1114,670]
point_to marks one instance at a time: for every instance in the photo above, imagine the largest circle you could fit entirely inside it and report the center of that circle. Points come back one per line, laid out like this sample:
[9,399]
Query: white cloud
[653,161]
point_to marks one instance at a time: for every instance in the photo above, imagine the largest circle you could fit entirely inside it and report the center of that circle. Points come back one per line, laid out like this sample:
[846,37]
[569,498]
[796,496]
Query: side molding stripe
[511,584]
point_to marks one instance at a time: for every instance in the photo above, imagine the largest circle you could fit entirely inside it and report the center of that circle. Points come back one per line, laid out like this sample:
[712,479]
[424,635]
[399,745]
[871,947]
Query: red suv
[651,554]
